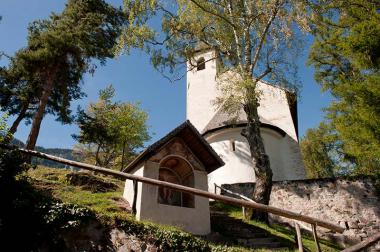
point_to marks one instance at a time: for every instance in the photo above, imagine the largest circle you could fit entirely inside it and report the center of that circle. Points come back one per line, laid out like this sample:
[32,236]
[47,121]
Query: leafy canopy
[346,55]
[255,39]
[110,129]
[60,49]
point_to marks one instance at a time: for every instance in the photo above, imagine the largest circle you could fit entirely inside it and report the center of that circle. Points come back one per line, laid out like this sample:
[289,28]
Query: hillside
[102,196]
[59,152]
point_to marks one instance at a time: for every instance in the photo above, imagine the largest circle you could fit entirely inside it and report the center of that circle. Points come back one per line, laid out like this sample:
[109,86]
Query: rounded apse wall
[233,148]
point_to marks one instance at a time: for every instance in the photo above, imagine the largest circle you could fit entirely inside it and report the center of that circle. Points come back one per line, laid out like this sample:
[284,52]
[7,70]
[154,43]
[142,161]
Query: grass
[106,205]
[54,182]
[276,230]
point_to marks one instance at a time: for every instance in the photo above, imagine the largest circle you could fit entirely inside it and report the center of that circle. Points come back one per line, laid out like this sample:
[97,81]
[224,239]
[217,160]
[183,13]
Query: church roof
[193,139]
[202,47]
[222,120]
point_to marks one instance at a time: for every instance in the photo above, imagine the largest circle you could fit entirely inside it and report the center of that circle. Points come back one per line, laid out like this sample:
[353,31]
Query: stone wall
[350,202]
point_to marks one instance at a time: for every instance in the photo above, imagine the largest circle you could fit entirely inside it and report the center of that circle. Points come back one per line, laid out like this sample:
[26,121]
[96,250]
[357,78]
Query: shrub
[166,239]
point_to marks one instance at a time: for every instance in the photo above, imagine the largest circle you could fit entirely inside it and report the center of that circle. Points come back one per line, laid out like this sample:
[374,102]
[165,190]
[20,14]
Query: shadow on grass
[231,224]
[234,231]
[287,230]
[43,222]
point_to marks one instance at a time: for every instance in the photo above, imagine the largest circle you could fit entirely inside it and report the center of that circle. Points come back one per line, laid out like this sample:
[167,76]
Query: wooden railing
[361,246]
[198,192]
[296,224]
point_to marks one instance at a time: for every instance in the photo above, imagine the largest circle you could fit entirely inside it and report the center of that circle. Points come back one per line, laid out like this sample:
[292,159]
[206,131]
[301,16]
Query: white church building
[208,150]
[279,129]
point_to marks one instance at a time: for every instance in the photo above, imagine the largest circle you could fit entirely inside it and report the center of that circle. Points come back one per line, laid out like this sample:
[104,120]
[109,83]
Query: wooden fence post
[298,236]
[314,227]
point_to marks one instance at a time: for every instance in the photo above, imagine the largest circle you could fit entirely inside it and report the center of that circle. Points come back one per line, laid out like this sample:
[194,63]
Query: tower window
[201,64]
[233,146]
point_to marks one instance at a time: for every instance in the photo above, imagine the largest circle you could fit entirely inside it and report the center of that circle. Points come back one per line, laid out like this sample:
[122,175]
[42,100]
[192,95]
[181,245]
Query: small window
[233,146]
[201,64]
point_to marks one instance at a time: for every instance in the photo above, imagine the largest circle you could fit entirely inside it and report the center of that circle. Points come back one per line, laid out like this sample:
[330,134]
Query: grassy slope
[53,181]
[107,205]
[277,230]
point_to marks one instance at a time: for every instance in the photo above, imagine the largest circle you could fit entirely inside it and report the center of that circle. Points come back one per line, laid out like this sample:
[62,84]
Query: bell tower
[201,87]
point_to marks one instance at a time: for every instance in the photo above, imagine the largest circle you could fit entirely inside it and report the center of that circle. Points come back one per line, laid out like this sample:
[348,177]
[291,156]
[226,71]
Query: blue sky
[134,79]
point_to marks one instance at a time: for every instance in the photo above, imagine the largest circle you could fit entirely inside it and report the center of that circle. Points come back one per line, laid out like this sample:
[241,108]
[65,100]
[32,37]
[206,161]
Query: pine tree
[59,51]
[346,55]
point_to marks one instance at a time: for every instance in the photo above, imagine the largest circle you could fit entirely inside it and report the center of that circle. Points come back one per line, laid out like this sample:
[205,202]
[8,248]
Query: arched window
[201,64]
[178,171]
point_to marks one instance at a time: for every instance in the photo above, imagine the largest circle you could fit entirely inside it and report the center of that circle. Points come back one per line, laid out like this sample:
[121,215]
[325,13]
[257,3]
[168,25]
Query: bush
[30,215]
[164,238]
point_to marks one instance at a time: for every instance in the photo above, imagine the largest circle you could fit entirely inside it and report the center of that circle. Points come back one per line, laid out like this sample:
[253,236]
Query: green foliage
[254,39]
[283,233]
[45,76]
[76,200]
[3,127]
[11,161]
[63,215]
[346,55]
[57,181]
[42,219]
[317,148]
[251,41]
[165,238]
[111,132]
[33,214]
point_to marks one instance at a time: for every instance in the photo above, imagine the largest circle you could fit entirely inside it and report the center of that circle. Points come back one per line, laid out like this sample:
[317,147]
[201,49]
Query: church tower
[278,116]
[201,88]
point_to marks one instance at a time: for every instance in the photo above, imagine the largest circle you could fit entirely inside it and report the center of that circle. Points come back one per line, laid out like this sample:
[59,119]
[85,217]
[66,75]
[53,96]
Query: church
[208,151]
[279,127]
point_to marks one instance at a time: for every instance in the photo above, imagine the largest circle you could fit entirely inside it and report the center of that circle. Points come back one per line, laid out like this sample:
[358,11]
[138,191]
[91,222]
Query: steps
[237,232]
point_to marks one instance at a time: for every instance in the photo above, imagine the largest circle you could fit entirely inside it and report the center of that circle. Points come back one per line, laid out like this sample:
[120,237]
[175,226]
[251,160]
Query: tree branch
[213,13]
[263,36]
[267,71]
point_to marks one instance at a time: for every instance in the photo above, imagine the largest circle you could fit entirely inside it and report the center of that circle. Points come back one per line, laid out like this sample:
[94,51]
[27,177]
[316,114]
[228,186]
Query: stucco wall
[274,108]
[351,203]
[194,220]
[128,188]
[201,90]
[283,153]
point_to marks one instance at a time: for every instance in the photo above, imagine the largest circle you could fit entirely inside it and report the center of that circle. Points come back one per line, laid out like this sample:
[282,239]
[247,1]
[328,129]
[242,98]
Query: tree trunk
[260,160]
[19,118]
[33,135]
[97,159]
[122,156]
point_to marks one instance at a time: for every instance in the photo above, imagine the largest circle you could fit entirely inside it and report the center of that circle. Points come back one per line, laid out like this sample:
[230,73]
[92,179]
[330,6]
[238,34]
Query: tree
[111,131]
[346,55]
[319,148]
[60,51]
[253,40]
[18,92]
[4,133]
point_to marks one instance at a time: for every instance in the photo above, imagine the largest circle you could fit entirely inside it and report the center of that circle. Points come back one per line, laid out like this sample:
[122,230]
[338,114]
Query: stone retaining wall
[350,202]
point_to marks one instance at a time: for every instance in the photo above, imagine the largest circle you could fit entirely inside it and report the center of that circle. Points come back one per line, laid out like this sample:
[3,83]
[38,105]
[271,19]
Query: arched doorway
[176,170]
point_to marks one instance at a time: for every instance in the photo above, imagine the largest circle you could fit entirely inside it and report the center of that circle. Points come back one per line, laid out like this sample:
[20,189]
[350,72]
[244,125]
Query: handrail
[234,193]
[230,200]
[251,200]
[364,244]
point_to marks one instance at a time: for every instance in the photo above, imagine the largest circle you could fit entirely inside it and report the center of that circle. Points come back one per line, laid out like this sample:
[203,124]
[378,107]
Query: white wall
[201,91]
[283,154]
[128,188]
[194,220]
[274,108]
